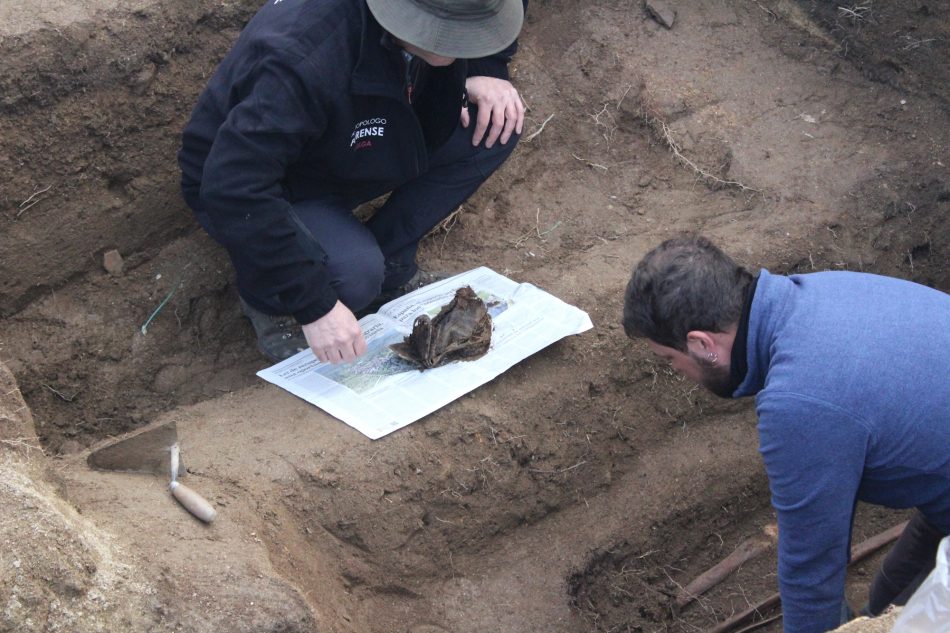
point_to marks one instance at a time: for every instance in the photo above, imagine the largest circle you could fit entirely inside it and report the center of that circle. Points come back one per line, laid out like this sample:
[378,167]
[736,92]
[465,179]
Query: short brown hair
[684,284]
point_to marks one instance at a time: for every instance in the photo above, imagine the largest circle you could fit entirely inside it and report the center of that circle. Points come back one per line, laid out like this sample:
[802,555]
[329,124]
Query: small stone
[143,79]
[70,447]
[645,180]
[113,263]
[661,12]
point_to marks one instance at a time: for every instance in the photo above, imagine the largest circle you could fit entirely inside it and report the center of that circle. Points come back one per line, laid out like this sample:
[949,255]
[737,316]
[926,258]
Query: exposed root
[667,136]
[745,551]
[538,131]
[609,129]
[588,163]
[32,200]
[445,226]
[858,553]
[23,444]
[537,230]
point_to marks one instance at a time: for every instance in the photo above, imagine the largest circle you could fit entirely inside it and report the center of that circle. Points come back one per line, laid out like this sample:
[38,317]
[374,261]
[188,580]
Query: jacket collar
[739,362]
[379,68]
[765,318]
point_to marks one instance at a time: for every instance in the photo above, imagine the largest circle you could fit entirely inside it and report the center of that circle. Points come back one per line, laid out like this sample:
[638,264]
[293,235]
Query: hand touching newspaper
[381,392]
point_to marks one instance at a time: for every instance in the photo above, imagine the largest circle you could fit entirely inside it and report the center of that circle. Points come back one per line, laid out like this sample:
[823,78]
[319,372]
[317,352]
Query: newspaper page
[380,392]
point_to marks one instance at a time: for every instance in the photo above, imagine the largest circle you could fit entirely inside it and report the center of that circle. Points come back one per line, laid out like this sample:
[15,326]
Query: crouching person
[323,105]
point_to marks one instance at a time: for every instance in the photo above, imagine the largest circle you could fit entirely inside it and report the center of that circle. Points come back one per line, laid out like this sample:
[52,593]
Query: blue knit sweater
[852,380]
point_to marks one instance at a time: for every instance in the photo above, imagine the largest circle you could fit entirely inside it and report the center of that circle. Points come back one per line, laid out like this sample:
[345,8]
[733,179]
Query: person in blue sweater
[849,373]
[323,105]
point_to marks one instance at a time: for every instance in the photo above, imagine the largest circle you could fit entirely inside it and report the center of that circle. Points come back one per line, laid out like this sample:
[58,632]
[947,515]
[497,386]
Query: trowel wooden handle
[193,502]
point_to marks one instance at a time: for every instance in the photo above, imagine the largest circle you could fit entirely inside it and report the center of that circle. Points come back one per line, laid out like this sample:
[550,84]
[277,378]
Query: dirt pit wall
[93,100]
[574,493]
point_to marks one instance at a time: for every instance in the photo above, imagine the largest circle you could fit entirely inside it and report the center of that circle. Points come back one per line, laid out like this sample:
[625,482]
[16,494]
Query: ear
[700,343]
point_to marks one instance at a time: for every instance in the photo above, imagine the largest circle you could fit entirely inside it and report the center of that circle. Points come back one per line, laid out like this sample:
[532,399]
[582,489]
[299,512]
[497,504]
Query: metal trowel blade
[144,451]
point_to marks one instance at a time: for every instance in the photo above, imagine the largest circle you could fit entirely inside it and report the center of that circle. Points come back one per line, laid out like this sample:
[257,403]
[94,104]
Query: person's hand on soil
[499,108]
[335,337]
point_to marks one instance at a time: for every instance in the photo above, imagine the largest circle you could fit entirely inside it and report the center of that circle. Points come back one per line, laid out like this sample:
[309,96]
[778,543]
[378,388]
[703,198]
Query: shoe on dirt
[278,337]
[420,279]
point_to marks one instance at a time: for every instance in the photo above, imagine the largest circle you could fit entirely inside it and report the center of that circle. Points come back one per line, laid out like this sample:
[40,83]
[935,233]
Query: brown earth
[575,492]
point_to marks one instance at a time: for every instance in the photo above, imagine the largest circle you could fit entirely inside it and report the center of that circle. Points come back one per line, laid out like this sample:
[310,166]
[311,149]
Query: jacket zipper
[408,59]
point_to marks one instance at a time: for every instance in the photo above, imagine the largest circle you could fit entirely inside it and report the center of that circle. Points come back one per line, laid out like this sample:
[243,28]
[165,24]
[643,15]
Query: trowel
[153,450]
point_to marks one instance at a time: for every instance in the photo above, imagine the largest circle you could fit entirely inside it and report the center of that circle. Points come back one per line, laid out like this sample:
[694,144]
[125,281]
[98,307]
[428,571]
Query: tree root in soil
[746,550]
[858,553]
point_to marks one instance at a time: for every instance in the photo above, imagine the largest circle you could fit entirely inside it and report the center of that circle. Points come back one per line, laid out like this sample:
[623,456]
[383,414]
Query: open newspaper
[380,392]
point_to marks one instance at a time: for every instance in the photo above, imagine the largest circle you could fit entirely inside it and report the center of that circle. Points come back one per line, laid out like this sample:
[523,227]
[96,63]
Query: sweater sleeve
[241,189]
[814,454]
[495,65]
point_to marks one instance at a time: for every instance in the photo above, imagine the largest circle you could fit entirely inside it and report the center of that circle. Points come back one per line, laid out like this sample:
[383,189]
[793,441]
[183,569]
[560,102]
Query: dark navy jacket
[310,103]
[850,376]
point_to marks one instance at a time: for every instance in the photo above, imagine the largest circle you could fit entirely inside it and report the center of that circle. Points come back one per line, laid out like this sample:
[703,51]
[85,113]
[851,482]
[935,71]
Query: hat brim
[467,38]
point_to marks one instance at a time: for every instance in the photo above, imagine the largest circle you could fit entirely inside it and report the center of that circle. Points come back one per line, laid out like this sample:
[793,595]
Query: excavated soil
[574,493]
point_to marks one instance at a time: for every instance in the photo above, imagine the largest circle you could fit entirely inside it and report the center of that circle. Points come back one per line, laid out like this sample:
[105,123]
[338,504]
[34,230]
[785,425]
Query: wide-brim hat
[464,29]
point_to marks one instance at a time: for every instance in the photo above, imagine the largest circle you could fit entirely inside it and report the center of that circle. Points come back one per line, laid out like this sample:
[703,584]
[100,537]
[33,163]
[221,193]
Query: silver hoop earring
[712,357]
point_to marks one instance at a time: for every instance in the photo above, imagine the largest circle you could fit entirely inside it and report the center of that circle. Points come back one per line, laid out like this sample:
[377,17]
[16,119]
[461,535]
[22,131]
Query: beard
[716,378]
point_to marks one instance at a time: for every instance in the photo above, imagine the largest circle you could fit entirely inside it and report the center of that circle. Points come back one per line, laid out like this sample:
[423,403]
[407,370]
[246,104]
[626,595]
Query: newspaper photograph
[380,392]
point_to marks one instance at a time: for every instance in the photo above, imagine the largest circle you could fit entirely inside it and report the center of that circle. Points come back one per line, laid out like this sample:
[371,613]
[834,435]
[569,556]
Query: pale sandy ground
[19,16]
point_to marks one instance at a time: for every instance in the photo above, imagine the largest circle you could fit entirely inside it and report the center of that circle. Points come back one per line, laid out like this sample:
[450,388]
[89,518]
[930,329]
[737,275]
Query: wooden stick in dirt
[748,614]
[858,552]
[867,547]
[760,624]
[747,550]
